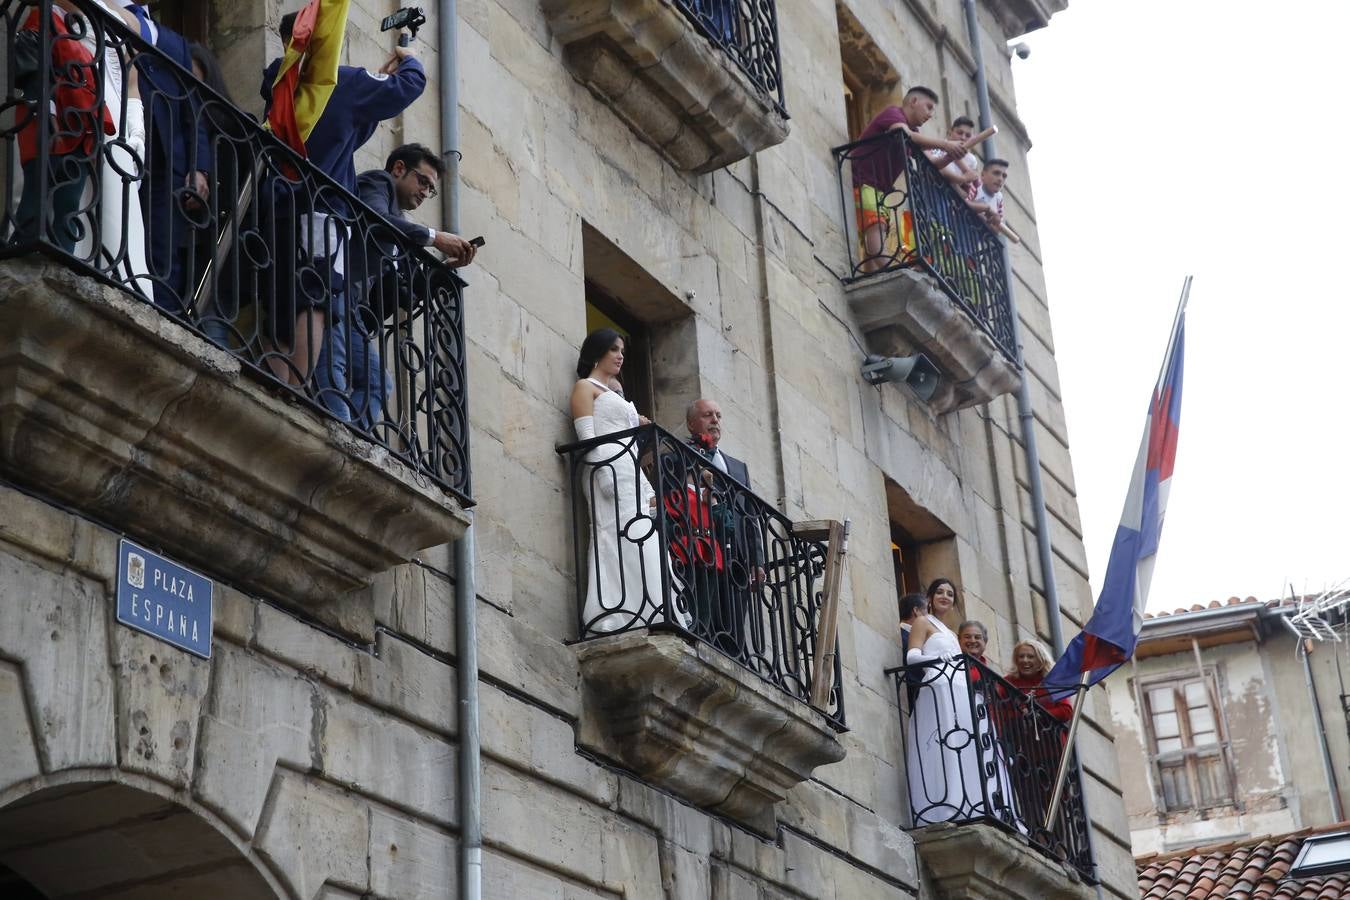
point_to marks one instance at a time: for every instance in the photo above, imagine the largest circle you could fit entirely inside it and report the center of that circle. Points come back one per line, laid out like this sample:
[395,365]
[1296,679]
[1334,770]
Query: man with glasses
[409,178]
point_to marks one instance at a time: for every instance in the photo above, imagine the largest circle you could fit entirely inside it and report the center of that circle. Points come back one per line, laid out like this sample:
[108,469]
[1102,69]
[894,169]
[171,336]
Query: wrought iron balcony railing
[665,539]
[747,30]
[266,256]
[900,212]
[978,749]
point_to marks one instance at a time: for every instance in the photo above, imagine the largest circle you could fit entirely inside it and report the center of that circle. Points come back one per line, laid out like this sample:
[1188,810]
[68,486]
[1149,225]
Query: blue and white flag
[1109,637]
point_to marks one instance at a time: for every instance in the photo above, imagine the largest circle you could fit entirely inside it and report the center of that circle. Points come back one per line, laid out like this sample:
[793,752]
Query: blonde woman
[1031,663]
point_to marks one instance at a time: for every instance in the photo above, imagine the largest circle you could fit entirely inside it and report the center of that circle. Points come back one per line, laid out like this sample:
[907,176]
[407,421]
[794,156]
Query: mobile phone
[478,241]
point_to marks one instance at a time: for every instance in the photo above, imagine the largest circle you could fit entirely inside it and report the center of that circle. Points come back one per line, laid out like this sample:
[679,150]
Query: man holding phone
[411,176]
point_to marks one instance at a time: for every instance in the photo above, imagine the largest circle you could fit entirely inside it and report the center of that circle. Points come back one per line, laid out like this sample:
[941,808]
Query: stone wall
[290,732]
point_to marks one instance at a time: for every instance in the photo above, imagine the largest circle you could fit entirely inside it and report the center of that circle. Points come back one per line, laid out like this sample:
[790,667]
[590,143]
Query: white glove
[585,427]
[916,655]
[134,128]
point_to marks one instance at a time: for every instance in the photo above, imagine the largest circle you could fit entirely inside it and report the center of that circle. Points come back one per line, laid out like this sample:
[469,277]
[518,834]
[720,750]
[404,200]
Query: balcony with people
[982,756]
[210,341]
[926,264]
[706,619]
[698,80]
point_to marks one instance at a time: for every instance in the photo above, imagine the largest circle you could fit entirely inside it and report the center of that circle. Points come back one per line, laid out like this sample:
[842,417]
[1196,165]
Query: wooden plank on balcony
[827,628]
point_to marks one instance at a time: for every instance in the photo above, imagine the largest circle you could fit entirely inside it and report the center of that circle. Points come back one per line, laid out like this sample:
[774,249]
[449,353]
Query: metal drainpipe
[466,589]
[1024,411]
[1337,815]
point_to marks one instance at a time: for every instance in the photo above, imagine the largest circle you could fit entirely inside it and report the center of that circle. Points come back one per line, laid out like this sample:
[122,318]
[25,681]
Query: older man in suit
[741,535]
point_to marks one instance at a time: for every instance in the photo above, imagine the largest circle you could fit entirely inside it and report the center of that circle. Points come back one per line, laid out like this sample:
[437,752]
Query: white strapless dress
[623,560]
[946,722]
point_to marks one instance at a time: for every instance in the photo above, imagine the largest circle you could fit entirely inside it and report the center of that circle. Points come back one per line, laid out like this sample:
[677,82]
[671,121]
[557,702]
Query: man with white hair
[740,533]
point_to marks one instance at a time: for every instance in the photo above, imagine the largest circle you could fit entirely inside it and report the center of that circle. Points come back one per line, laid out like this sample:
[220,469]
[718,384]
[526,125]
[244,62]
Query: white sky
[1206,137]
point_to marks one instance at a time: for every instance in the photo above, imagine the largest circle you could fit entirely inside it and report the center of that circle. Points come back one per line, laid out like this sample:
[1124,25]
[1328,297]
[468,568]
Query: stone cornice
[110,406]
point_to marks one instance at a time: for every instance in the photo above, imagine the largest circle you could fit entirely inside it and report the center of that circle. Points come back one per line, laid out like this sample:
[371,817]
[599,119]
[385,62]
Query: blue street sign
[163,599]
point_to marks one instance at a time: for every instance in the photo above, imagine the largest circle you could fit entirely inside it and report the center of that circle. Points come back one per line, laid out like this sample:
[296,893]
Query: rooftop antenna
[1309,619]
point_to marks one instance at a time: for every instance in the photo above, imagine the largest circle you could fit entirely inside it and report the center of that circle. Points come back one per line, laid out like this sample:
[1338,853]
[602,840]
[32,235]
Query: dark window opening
[604,311]
[190,18]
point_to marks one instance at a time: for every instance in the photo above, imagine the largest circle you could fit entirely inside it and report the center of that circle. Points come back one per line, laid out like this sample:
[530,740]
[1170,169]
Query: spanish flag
[301,92]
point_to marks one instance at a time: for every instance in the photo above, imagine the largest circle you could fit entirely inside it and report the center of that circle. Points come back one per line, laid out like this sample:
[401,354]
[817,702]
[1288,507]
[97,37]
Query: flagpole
[1062,777]
[1172,335]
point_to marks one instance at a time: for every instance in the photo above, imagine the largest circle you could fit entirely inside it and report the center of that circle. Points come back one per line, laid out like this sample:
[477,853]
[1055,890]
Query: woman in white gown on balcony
[121,228]
[623,556]
[948,777]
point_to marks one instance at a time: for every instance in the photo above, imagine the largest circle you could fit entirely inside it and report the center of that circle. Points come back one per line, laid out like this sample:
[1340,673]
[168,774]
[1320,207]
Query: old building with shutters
[681,172]
[1232,724]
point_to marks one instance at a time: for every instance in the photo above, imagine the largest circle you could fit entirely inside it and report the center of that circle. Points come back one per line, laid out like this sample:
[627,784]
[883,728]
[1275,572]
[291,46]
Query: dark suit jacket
[376,188]
[383,251]
[741,473]
[735,468]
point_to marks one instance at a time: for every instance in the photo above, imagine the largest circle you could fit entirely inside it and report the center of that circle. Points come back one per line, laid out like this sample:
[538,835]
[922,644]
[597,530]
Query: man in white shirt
[988,199]
[961,173]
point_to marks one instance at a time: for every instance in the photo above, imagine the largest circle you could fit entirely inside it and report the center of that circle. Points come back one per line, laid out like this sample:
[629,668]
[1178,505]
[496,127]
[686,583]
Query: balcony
[926,274]
[981,757]
[705,617]
[160,354]
[698,80]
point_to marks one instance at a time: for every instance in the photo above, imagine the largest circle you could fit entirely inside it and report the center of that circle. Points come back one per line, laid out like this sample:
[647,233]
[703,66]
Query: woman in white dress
[953,764]
[121,231]
[623,558]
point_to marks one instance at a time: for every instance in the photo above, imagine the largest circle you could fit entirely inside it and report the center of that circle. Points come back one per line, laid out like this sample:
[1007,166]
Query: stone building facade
[1245,758]
[313,755]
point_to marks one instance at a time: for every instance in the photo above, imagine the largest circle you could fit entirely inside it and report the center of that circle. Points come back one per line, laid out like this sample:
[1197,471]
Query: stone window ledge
[678,91]
[115,409]
[904,312]
[683,716]
[981,862]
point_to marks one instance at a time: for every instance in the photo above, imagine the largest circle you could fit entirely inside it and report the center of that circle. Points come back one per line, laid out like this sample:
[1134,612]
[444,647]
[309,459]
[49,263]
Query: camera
[409,17]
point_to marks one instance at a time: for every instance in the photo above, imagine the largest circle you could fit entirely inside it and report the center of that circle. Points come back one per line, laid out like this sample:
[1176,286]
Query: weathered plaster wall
[1262,790]
[1280,780]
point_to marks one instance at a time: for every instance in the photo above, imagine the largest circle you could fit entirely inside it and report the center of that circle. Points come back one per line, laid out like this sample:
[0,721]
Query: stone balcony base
[127,416]
[685,717]
[904,311]
[981,862]
[677,90]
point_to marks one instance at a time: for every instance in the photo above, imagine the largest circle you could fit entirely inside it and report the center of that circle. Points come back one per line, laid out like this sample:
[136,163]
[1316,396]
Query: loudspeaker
[917,372]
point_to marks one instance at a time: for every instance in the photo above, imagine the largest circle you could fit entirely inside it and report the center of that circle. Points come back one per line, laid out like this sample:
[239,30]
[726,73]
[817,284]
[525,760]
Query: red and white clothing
[952,170]
[1060,709]
[994,201]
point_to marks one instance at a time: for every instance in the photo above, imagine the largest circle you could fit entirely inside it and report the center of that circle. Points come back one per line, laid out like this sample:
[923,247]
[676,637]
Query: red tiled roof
[1215,604]
[1253,869]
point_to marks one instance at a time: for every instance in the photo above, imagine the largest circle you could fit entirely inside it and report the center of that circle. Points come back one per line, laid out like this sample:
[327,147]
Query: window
[855,99]
[1187,743]
[921,545]
[905,558]
[1325,854]
[870,82]
[188,19]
